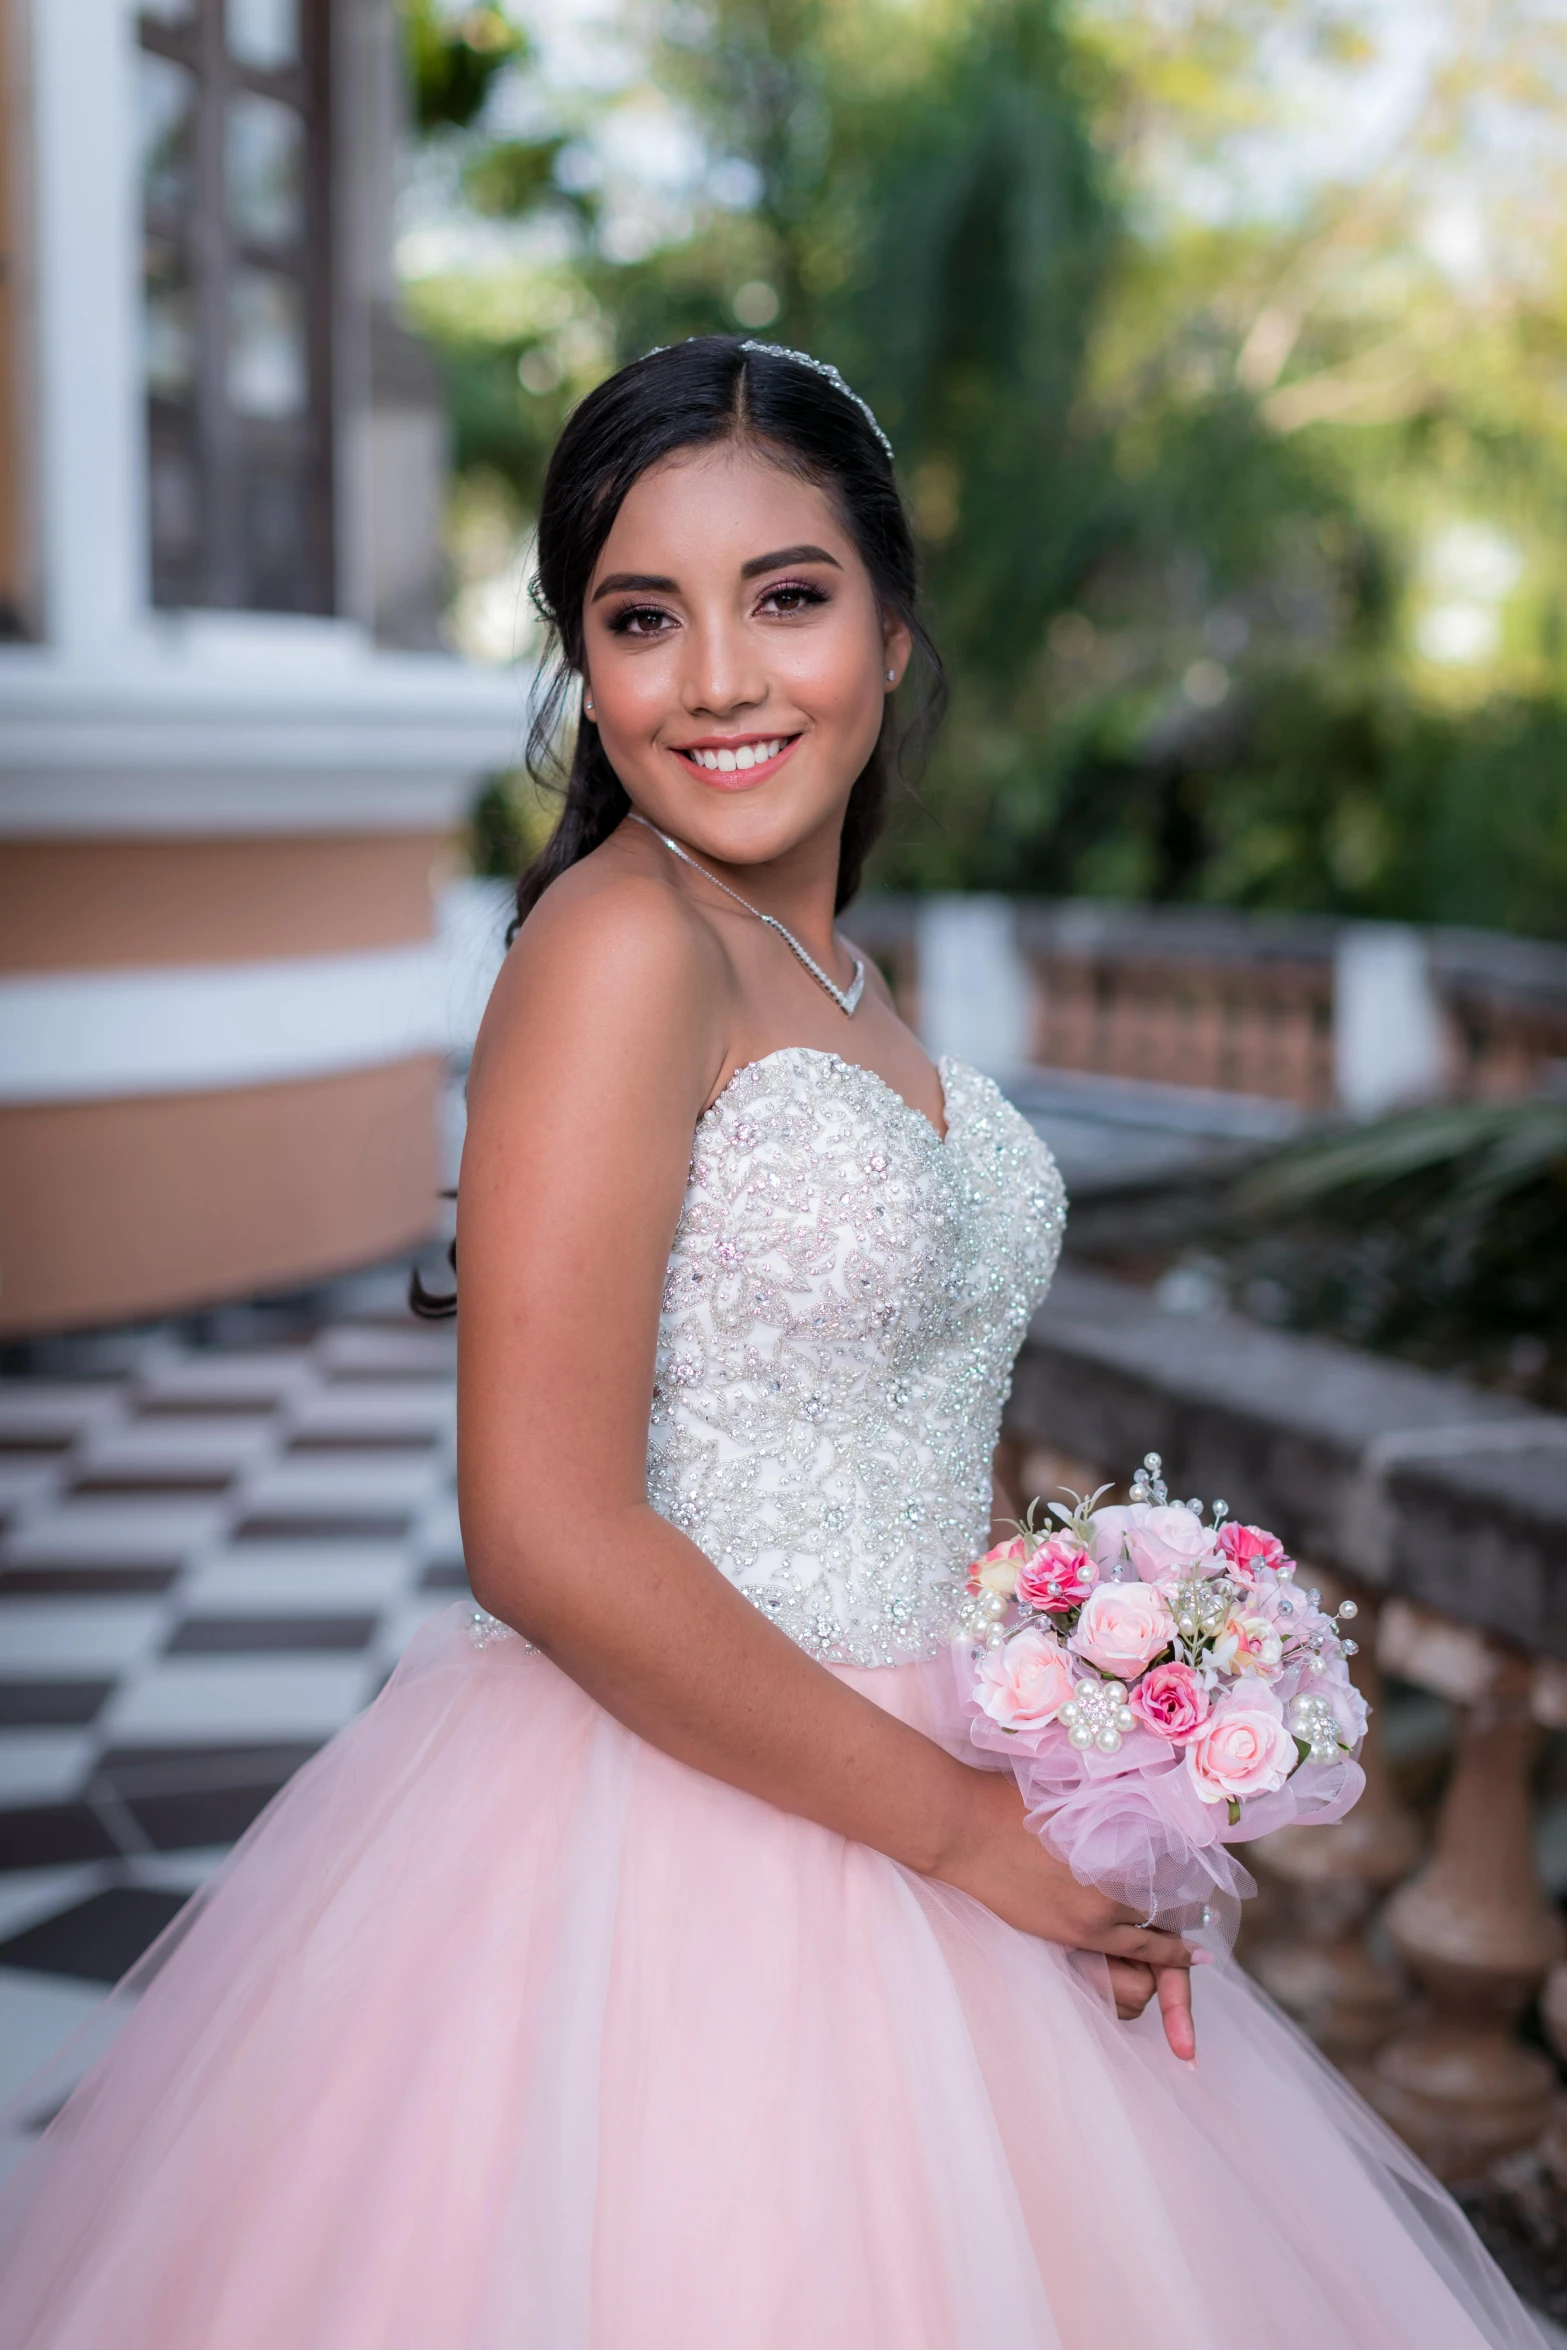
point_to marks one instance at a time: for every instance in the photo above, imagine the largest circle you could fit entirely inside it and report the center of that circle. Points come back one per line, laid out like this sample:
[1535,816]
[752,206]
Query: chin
[759,826]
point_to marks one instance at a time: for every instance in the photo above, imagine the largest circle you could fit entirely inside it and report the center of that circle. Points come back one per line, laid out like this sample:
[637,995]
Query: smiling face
[735,654]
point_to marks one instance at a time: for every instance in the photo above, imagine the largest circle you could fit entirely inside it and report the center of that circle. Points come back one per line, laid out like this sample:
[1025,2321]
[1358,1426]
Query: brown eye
[792,596]
[640,620]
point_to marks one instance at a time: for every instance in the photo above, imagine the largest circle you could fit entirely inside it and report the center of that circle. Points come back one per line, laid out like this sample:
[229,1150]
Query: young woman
[651,1968]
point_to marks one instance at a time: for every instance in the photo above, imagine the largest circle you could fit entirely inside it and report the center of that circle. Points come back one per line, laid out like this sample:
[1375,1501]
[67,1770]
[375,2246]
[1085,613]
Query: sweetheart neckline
[814,1052]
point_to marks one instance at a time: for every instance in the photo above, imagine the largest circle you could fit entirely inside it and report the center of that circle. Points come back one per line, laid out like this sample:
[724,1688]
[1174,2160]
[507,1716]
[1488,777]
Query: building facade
[232,757]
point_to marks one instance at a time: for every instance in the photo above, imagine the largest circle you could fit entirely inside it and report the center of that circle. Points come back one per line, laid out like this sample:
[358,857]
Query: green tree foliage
[931,216]
[512,176]
[987,235]
[452,60]
[1202,500]
[1311,790]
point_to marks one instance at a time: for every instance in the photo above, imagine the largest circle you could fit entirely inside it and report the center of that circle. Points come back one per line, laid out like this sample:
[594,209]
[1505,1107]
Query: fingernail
[1202,1958]
[1190,2062]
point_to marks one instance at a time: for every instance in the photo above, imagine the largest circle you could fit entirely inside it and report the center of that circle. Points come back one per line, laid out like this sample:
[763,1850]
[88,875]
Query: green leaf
[452,60]
[511,177]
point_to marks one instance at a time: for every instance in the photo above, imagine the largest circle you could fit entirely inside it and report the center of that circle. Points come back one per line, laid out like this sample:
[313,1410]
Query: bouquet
[1162,1689]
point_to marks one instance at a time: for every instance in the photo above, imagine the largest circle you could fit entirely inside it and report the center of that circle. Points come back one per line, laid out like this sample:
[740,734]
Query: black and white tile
[214,1545]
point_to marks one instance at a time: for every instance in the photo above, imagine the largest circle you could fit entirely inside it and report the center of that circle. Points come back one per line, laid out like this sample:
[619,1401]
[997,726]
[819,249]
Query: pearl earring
[892,677]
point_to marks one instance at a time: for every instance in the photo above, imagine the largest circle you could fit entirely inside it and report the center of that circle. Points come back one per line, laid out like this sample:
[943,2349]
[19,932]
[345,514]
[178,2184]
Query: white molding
[276,644]
[227,802]
[78,1036]
[236,732]
[237,805]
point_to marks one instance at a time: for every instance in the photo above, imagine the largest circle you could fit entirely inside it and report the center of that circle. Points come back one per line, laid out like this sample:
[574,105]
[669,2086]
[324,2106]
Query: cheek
[631,694]
[836,676]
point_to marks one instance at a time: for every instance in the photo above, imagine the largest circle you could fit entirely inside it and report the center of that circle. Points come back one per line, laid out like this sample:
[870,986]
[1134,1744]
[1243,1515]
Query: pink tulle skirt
[502,2031]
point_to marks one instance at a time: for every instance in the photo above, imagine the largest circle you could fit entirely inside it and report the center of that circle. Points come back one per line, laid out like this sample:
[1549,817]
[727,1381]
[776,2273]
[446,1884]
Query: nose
[722,671]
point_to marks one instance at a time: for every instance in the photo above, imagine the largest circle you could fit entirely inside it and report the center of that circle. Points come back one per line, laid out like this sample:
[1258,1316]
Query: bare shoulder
[611,970]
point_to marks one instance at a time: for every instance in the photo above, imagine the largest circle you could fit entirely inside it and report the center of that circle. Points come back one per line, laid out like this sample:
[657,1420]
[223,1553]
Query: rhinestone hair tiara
[824,367]
[821,367]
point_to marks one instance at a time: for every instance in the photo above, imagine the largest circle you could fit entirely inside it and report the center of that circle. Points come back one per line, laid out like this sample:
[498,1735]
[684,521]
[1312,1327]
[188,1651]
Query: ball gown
[501,2030]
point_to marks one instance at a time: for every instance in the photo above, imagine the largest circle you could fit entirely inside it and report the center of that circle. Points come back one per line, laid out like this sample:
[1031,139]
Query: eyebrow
[649,581]
[653,583]
[785,556]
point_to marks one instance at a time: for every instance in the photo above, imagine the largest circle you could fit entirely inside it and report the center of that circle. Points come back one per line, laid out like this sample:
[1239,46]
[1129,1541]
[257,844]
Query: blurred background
[1223,351]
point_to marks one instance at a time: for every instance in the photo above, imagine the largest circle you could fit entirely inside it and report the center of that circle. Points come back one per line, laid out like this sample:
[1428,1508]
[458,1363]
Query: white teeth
[747,755]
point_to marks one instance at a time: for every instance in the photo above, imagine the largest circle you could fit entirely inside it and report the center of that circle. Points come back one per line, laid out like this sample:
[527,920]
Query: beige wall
[109,1210]
[115,1208]
[93,904]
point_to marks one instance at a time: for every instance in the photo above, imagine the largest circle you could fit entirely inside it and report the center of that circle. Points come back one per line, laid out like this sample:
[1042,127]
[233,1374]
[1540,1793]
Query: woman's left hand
[1132,1985]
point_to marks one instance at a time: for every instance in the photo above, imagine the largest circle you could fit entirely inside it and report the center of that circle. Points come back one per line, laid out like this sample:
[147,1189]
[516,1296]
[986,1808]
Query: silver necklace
[846,998]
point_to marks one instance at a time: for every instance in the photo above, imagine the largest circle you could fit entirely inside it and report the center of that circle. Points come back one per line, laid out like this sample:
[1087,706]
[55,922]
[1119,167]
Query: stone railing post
[1316,1960]
[1553,2016]
[1474,1926]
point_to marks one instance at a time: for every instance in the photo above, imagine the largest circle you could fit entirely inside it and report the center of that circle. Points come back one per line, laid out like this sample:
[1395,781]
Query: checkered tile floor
[214,1545]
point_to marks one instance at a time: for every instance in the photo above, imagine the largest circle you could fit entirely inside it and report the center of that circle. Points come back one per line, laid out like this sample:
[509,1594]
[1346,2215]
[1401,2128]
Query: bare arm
[598,1055]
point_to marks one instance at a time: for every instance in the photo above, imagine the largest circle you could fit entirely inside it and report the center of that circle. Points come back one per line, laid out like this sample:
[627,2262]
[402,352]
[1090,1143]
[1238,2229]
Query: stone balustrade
[1296,1008]
[1421,1944]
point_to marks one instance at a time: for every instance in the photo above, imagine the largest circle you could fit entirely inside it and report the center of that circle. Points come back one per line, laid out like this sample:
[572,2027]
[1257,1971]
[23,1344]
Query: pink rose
[1024,1685]
[1350,1709]
[998,1569]
[1108,1529]
[1169,1542]
[1249,1643]
[1170,1701]
[1059,1576]
[1122,1628]
[1242,1749]
[1248,1548]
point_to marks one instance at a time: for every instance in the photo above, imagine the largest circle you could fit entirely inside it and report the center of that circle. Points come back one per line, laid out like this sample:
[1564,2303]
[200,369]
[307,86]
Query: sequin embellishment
[846,1295]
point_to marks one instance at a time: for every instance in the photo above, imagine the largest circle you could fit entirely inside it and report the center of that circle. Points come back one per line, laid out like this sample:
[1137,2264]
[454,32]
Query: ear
[897,644]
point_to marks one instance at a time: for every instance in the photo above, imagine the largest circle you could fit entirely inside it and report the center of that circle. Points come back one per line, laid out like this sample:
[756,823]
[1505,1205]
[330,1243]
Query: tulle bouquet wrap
[1163,1689]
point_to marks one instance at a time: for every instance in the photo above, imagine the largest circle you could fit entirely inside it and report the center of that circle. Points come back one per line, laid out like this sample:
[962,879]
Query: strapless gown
[503,2031]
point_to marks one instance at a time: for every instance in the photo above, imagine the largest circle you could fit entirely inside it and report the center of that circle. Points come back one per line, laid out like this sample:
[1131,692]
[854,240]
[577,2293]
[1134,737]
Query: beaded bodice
[846,1295]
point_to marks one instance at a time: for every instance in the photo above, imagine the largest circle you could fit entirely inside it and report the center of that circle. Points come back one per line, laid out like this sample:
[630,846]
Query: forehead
[718,507]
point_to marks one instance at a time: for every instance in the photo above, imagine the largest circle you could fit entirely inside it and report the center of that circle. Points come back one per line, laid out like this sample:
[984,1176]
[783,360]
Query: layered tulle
[502,2031]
